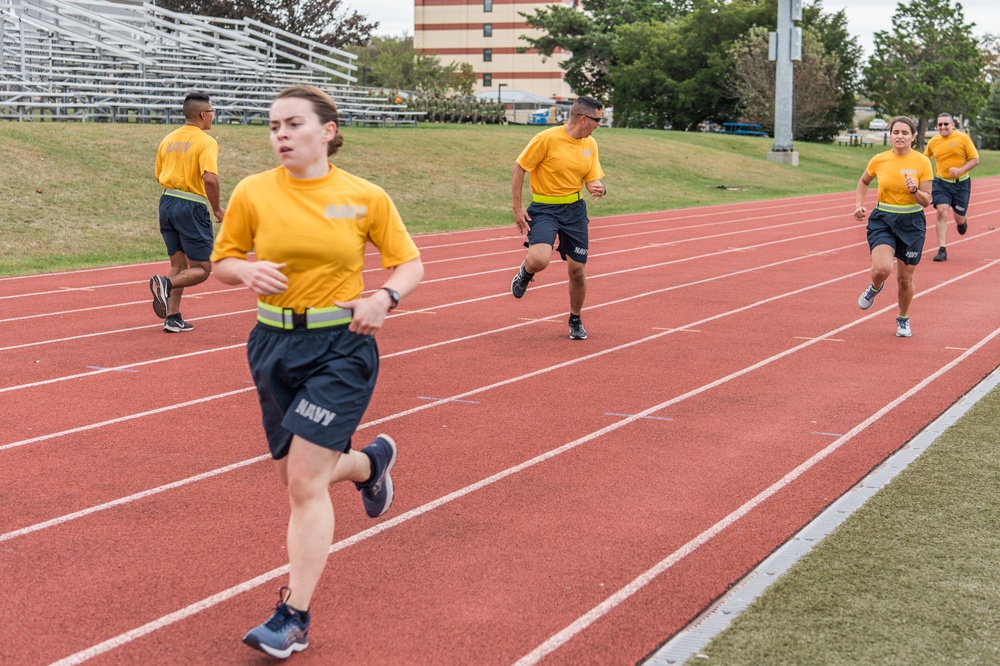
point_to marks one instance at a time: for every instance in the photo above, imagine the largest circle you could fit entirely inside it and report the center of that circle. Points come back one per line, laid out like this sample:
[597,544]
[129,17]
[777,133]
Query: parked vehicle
[878,125]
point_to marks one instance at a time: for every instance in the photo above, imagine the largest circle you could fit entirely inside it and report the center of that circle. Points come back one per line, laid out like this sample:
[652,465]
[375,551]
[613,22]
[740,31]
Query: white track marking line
[122,419]
[117,368]
[144,301]
[605,607]
[561,638]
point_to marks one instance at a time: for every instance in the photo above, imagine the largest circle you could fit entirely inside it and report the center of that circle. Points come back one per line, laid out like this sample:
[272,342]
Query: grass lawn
[83,194]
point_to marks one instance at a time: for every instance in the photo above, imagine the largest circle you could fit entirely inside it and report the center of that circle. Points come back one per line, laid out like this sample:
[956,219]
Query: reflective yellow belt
[190,196]
[964,176]
[893,208]
[287,319]
[569,198]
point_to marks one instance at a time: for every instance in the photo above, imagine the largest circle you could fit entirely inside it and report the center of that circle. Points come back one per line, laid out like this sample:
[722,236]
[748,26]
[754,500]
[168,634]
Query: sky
[864,17]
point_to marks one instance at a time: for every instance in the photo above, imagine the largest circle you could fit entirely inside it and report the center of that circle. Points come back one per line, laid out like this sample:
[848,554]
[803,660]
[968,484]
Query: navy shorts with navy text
[312,383]
[568,222]
[904,232]
[955,195]
[186,226]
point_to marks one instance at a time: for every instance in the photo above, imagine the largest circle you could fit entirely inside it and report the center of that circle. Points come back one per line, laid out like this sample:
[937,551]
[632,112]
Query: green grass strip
[913,577]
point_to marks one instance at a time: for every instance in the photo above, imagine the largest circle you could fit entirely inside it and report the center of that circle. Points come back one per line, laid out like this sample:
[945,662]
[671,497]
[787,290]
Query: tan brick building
[486,34]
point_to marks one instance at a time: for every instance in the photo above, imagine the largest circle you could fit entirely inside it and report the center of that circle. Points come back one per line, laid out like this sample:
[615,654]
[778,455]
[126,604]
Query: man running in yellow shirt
[954,157]
[562,160]
[187,170]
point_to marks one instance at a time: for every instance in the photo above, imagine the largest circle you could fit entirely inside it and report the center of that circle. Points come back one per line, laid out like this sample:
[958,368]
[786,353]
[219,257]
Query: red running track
[558,502]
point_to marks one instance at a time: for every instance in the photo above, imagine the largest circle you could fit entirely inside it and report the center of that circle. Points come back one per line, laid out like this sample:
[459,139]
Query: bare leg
[308,471]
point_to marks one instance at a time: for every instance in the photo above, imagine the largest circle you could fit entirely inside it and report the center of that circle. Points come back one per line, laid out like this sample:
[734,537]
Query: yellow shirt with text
[319,228]
[559,164]
[183,156]
[891,171]
[950,151]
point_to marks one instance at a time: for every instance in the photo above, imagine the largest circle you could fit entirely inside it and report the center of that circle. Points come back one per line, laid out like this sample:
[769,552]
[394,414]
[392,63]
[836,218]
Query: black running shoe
[174,324]
[519,284]
[942,255]
[160,286]
[576,331]
[962,228]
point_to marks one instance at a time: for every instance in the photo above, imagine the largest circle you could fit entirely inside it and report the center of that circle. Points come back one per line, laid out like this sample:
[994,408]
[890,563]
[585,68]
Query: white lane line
[144,301]
[564,636]
[579,625]
[122,419]
[119,368]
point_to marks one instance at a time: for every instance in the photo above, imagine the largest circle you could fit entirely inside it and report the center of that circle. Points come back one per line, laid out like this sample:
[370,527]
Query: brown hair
[324,107]
[906,121]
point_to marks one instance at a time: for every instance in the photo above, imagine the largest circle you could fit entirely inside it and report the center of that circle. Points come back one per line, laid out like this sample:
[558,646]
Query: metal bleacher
[130,61]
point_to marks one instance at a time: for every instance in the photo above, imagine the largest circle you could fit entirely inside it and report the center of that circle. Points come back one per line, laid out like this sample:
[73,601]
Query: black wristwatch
[394,295]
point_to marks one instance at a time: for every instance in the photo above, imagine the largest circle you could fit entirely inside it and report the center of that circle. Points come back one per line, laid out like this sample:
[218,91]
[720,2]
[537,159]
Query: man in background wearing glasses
[187,169]
[561,160]
[954,157]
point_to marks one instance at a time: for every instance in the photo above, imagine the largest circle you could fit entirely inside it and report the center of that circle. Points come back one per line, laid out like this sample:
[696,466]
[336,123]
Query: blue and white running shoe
[283,634]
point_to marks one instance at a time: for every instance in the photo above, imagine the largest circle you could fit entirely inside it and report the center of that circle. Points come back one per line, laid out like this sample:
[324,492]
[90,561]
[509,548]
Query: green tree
[391,62]
[587,31]
[323,21]
[674,72]
[988,123]
[930,63]
[815,91]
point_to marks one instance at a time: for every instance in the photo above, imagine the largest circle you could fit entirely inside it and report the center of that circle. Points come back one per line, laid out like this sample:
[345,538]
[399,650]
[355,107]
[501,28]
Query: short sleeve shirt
[318,227]
[891,171]
[559,164]
[183,156]
[950,151]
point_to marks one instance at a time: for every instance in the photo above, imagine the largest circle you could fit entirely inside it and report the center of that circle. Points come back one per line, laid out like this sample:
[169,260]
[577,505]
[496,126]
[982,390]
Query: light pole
[785,47]
[500,87]
[364,76]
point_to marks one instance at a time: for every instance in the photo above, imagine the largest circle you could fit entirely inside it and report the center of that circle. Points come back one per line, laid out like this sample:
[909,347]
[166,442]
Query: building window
[487,55]
[487,30]
[487,80]
[487,5]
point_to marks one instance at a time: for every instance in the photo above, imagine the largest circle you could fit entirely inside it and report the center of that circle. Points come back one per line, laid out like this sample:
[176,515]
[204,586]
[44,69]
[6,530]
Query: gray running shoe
[903,327]
[576,330]
[868,297]
[160,286]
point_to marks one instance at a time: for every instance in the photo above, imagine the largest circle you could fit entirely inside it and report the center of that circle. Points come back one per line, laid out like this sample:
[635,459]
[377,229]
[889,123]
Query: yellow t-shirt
[318,227]
[950,151]
[891,171]
[183,156]
[559,164]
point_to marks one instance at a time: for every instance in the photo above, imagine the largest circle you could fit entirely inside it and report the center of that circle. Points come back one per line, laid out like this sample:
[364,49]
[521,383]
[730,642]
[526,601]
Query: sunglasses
[596,120]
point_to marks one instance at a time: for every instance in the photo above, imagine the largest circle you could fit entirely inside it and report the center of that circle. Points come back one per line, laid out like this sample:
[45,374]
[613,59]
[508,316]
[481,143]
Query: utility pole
[784,46]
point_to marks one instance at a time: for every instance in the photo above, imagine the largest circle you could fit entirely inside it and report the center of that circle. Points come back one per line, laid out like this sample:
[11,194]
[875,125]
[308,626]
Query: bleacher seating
[129,61]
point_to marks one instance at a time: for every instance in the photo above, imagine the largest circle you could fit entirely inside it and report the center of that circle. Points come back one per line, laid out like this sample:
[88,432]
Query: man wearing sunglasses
[954,157]
[187,170]
[562,161]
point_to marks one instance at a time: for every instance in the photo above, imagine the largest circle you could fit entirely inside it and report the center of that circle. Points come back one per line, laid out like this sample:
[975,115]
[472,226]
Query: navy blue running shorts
[312,383]
[955,195]
[186,226]
[568,222]
[904,232]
